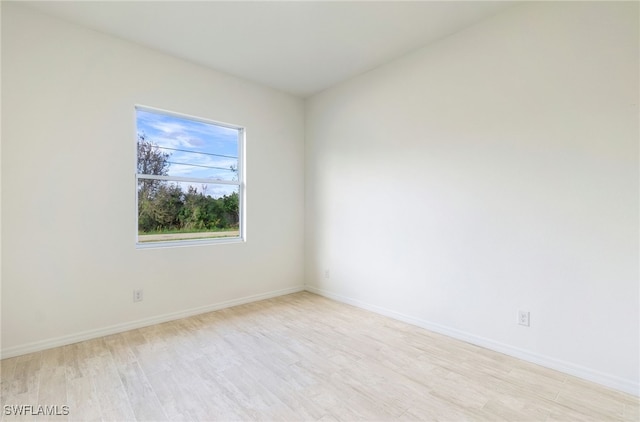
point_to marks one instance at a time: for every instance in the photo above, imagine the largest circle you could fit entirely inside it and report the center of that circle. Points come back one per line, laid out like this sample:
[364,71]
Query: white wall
[492,171]
[69,263]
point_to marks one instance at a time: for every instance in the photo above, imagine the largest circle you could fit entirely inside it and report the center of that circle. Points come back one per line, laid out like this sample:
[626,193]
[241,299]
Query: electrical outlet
[327,274]
[137,295]
[523,318]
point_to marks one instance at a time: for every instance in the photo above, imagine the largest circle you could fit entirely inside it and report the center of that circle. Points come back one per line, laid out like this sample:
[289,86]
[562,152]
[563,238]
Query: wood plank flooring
[297,357]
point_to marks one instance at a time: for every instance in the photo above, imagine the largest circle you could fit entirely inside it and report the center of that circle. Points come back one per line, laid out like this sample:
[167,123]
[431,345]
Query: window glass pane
[177,146]
[170,211]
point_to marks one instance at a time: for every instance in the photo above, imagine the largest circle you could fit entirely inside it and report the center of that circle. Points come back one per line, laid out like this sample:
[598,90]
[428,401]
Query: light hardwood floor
[298,357]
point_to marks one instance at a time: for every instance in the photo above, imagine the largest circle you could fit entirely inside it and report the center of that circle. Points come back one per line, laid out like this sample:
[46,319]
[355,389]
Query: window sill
[193,242]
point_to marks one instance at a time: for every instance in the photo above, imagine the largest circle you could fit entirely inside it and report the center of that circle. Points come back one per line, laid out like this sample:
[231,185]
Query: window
[189,180]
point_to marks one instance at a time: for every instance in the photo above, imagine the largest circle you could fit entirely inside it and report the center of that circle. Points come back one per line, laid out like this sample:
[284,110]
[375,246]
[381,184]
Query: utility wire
[197,152]
[198,165]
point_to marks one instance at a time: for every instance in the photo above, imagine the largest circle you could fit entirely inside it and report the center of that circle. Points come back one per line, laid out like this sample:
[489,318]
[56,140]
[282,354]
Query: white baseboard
[606,380]
[119,328]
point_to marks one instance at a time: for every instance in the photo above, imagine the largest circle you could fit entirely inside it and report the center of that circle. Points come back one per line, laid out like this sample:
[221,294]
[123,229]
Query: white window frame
[240,183]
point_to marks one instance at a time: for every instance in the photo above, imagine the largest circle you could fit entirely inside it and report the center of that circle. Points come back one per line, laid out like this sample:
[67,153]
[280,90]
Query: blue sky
[191,145]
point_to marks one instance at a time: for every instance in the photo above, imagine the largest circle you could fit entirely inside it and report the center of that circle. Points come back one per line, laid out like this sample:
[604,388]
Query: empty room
[320,211]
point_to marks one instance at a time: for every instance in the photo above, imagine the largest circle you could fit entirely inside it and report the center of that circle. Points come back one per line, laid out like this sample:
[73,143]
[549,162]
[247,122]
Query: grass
[179,231]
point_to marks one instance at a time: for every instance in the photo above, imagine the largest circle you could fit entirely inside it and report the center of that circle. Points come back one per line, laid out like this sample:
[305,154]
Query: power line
[198,165]
[197,152]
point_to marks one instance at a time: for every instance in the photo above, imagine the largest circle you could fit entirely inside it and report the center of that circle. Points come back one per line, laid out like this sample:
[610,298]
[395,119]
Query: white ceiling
[300,47]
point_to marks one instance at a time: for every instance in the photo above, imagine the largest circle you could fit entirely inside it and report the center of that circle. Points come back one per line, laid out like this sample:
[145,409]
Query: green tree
[192,214]
[231,206]
[153,195]
[151,160]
